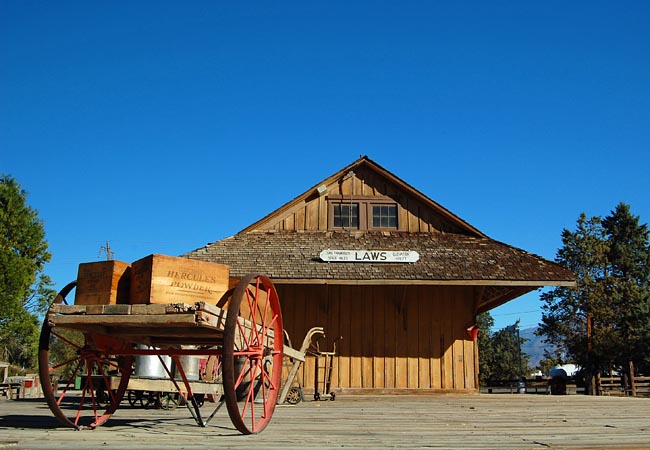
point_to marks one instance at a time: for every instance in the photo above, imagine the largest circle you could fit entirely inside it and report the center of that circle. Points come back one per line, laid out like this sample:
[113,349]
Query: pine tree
[485,323]
[510,363]
[628,283]
[604,321]
[24,289]
[500,356]
[569,314]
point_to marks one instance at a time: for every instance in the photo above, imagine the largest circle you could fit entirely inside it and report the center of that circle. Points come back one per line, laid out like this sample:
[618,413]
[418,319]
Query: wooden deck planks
[446,421]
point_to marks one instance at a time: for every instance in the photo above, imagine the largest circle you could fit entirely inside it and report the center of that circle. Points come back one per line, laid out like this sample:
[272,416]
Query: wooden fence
[538,385]
[635,386]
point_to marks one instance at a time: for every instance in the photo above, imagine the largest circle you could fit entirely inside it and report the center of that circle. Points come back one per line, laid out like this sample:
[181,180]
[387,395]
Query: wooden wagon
[87,352]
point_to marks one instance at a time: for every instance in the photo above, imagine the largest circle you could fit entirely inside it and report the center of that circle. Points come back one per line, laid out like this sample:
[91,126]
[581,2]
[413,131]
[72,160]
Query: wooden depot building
[401,279]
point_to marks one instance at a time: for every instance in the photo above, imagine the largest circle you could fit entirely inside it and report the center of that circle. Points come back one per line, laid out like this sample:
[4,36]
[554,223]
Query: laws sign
[369,256]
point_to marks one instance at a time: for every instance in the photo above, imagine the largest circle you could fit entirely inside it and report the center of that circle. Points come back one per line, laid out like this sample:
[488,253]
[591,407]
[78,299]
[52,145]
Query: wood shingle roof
[289,256]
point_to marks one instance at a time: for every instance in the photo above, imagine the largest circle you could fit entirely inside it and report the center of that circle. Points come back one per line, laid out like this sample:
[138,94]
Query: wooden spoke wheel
[143,399]
[168,400]
[294,396]
[137,399]
[76,371]
[252,353]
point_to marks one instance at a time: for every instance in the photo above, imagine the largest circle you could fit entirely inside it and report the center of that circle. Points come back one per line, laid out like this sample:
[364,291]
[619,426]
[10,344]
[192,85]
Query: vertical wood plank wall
[311,215]
[394,337]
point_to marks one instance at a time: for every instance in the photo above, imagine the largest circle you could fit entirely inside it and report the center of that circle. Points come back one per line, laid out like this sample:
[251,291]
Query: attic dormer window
[363,213]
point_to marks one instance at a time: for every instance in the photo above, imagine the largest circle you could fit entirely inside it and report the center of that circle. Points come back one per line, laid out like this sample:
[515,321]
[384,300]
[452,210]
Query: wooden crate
[168,279]
[102,283]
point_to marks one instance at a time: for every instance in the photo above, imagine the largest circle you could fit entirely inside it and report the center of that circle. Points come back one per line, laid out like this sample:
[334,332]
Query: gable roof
[463,257]
[364,162]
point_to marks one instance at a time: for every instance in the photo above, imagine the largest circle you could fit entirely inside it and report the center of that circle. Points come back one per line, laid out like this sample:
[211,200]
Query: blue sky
[162,126]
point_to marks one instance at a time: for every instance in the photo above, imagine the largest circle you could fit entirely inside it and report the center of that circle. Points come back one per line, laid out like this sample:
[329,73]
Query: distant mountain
[534,347]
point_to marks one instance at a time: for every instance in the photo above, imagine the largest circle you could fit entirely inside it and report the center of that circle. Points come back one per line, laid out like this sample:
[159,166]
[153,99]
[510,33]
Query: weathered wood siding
[394,337]
[312,213]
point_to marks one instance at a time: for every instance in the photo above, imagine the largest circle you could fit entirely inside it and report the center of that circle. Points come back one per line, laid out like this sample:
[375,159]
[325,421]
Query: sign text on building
[370,256]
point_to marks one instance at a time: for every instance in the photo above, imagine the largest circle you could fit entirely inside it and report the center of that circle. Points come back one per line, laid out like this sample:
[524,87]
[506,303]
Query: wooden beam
[381,282]
[502,296]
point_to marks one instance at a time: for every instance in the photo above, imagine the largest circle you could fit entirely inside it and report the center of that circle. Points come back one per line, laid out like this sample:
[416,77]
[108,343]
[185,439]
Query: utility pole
[107,250]
[521,367]
[521,384]
[593,379]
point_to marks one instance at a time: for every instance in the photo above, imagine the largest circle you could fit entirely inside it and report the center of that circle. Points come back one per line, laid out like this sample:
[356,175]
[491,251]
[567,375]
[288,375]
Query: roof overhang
[514,283]
[491,293]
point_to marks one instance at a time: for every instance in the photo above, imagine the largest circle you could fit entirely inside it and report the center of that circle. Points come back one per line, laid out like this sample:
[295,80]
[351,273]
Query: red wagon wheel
[252,353]
[76,369]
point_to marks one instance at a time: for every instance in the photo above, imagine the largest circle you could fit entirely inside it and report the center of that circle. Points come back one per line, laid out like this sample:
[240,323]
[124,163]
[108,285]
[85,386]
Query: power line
[515,313]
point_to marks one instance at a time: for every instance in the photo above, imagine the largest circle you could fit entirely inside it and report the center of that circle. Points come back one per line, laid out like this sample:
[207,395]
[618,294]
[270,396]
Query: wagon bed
[159,324]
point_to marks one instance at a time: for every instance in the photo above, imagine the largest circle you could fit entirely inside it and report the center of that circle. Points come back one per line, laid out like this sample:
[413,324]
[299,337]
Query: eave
[513,283]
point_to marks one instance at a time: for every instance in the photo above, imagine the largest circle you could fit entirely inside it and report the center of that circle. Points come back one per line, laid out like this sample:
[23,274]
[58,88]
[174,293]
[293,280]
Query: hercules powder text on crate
[169,279]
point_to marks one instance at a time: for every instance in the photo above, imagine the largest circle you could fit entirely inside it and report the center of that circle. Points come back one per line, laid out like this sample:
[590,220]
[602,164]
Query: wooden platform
[446,421]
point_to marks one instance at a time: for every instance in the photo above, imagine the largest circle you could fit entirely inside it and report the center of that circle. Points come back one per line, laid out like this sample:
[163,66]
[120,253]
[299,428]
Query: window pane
[354,216]
[392,217]
[346,216]
[384,216]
